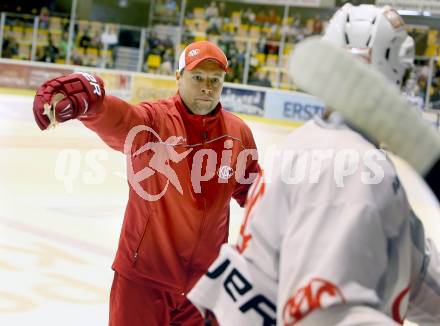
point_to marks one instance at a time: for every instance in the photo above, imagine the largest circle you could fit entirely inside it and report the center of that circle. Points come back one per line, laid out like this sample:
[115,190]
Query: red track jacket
[172,240]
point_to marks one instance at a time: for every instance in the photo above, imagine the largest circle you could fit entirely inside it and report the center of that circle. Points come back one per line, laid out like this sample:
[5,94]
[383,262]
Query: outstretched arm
[82,96]
[116,118]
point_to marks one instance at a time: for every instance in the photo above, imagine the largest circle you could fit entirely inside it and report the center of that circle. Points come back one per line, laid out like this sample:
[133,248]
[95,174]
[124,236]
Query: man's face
[201,87]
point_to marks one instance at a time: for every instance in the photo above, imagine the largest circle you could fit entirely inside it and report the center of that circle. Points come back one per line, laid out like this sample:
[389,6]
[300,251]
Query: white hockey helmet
[377,34]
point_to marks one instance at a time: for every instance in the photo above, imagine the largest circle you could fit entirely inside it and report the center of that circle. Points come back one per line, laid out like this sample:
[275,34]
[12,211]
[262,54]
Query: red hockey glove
[67,97]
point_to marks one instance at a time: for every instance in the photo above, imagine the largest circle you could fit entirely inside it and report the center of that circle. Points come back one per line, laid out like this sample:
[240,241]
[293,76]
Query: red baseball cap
[200,51]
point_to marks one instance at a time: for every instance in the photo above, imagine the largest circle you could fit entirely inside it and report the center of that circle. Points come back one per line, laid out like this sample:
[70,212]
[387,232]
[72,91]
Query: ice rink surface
[62,199]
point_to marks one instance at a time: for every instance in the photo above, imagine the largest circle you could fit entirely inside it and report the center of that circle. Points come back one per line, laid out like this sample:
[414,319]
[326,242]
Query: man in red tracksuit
[186,158]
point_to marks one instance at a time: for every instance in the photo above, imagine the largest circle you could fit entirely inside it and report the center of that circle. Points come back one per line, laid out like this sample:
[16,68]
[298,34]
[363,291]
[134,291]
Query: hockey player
[342,245]
[186,159]
[345,85]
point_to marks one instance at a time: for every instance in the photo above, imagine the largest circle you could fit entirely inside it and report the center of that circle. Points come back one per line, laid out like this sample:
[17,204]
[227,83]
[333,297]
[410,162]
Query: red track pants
[135,304]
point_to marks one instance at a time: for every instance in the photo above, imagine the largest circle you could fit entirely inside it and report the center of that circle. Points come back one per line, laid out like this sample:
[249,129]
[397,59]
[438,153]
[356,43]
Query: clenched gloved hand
[68,97]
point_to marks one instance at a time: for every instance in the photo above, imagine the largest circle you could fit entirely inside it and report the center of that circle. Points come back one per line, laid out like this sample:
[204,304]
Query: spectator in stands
[231,50]
[411,90]
[235,71]
[253,78]
[76,58]
[422,82]
[166,10]
[248,17]
[109,37]
[295,31]
[159,49]
[317,25]
[188,36]
[168,56]
[170,8]
[270,17]
[64,42]
[259,78]
[214,26]
[10,47]
[50,51]
[166,67]
[226,40]
[85,41]
[65,23]
[153,43]
[240,56]
[109,40]
[435,97]
[272,47]
[96,41]
[211,11]
[44,18]
[261,45]
[168,44]
[265,80]
[222,9]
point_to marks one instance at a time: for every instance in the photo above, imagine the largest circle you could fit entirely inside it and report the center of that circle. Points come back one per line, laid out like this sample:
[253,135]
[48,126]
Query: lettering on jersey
[309,298]
[300,111]
[237,286]
[400,305]
[92,81]
[254,196]
[235,282]
[219,270]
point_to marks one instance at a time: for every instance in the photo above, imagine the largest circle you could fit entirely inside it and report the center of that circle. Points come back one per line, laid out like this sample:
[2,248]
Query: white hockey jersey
[328,239]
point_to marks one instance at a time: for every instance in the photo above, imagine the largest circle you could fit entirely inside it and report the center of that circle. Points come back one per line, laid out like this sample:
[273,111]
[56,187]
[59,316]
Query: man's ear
[179,74]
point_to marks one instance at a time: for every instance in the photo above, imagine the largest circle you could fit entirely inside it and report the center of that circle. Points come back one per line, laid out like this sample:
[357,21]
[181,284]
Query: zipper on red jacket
[204,133]
[136,252]
[202,223]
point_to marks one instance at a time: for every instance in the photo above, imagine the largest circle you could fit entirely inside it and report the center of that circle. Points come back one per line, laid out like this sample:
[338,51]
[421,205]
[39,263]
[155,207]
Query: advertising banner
[240,100]
[150,88]
[27,77]
[135,88]
[117,84]
[292,106]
